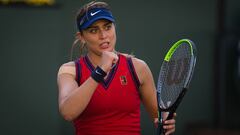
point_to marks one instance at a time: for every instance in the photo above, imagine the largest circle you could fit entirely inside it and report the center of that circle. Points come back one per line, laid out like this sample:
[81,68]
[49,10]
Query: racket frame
[175,105]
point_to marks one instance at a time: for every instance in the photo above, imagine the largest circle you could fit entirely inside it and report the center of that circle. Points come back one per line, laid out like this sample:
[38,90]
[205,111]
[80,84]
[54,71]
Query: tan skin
[100,39]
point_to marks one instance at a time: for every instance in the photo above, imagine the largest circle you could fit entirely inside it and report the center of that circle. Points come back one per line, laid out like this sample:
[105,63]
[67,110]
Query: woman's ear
[80,37]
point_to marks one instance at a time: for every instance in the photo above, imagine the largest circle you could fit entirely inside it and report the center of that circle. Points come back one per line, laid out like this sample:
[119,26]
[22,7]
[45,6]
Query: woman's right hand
[108,59]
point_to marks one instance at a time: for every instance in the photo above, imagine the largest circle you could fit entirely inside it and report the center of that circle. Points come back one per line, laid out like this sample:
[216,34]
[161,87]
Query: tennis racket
[174,78]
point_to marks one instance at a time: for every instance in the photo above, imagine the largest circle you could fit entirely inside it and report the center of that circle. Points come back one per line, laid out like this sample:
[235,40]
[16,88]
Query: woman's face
[99,37]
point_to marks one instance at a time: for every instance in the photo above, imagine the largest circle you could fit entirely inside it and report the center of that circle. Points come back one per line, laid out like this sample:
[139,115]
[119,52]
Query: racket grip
[160,128]
[170,115]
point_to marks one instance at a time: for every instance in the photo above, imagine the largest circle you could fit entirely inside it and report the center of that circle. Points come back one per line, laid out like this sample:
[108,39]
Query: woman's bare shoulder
[67,68]
[141,68]
[138,63]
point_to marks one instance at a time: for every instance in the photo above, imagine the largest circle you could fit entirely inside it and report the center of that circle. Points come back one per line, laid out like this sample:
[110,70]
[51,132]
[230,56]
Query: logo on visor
[94,13]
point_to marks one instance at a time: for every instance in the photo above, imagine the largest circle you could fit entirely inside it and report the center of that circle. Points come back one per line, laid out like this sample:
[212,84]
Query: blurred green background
[35,41]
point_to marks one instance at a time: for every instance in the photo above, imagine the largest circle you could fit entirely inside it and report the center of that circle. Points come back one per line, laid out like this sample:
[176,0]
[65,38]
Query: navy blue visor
[93,15]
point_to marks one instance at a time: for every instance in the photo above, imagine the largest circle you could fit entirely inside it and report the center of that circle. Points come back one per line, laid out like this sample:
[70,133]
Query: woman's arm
[148,93]
[72,98]
[147,87]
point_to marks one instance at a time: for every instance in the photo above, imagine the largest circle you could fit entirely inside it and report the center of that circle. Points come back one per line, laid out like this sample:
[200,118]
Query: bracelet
[98,74]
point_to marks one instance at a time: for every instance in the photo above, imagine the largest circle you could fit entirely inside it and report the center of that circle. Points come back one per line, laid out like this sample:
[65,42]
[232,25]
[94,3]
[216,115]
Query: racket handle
[160,128]
[170,115]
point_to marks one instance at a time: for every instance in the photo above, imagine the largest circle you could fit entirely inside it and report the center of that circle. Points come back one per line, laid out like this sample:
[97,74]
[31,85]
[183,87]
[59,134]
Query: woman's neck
[94,59]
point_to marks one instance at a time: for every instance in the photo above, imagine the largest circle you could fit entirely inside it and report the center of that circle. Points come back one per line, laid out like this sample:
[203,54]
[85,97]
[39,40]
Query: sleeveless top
[114,108]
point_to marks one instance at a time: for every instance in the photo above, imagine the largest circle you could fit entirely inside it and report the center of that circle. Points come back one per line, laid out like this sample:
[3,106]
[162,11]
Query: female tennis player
[101,91]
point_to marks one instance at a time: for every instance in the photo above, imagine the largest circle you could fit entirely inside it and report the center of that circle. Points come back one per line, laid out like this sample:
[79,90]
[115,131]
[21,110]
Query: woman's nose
[103,34]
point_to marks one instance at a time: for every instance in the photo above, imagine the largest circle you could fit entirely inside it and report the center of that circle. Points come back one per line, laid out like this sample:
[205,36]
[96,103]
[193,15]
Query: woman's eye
[92,31]
[108,27]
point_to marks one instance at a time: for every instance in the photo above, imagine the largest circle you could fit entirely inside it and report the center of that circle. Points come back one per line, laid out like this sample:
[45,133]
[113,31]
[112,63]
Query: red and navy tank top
[114,108]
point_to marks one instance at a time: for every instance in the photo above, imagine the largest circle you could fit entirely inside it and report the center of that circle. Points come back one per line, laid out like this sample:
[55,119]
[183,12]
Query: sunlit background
[36,37]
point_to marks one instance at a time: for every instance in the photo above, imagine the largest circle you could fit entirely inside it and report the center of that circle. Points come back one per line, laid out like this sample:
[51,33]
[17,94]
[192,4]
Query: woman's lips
[104,45]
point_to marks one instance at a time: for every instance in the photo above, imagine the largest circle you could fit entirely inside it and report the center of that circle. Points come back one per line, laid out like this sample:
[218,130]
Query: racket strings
[173,76]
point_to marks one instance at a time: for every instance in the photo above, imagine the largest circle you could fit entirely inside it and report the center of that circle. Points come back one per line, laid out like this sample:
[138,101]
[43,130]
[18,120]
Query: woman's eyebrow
[107,23]
[92,27]
[96,26]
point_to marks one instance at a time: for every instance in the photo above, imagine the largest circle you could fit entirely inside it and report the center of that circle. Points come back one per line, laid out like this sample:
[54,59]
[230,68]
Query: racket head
[175,74]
